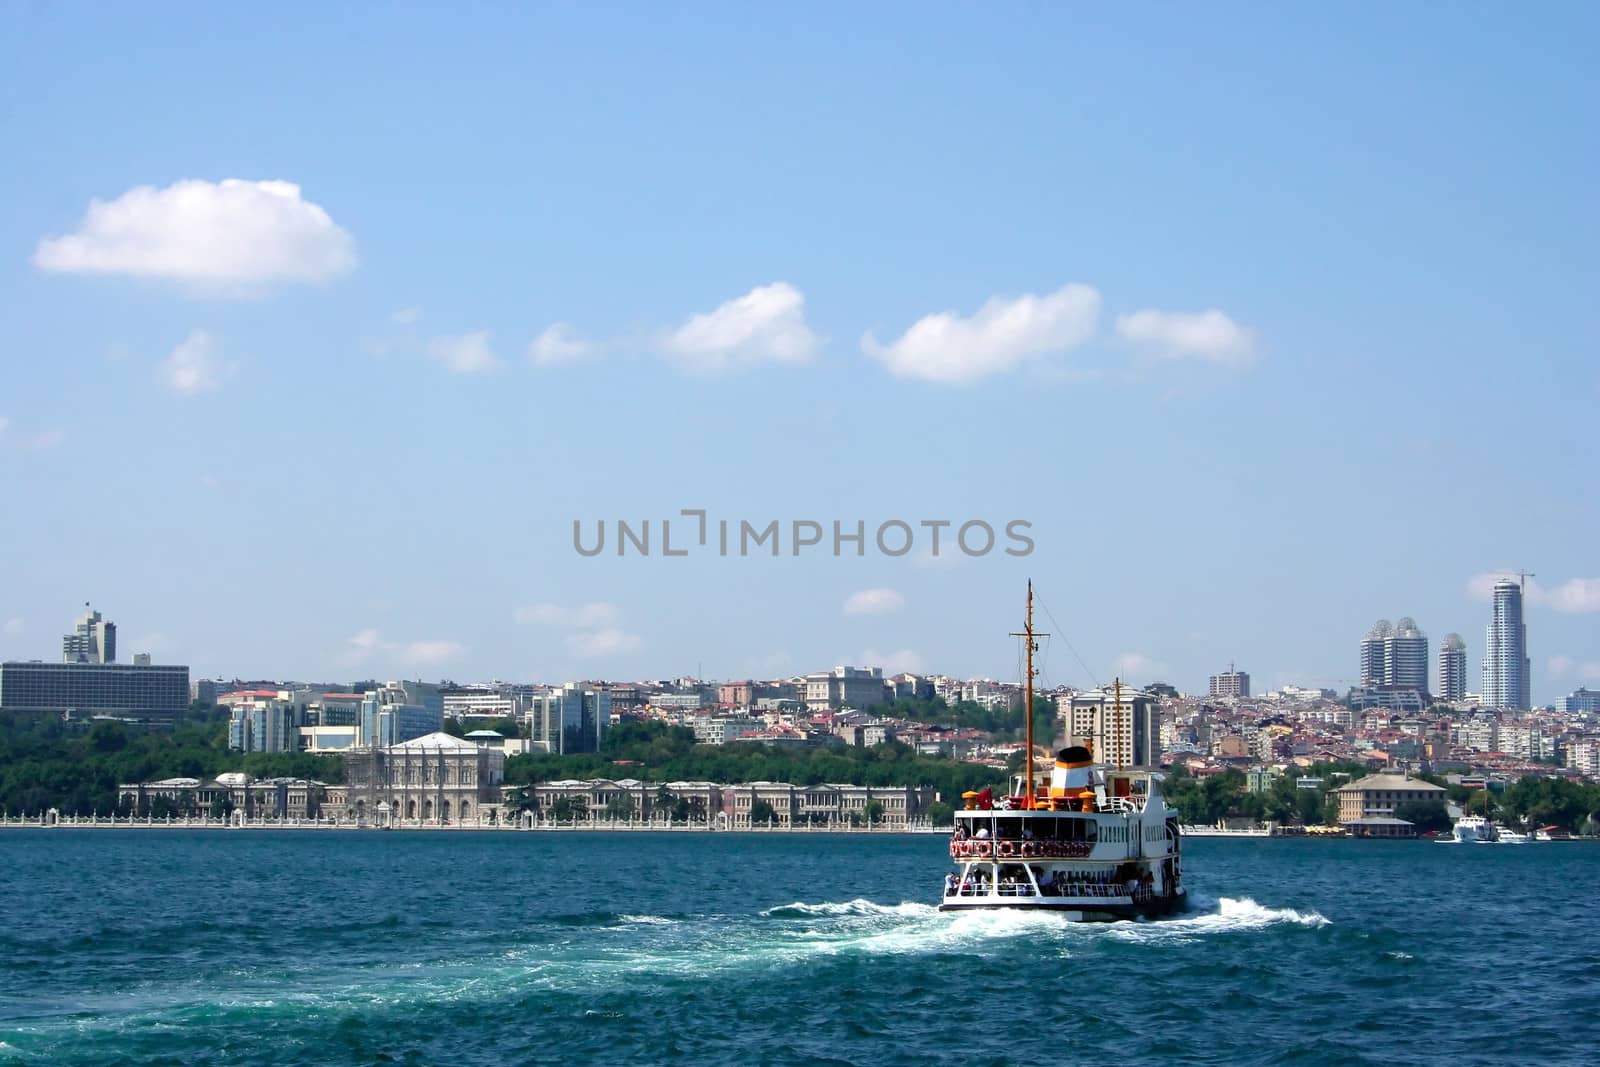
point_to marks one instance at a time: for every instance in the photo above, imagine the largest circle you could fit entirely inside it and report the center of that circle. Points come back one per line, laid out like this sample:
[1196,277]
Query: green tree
[762,813]
[1425,814]
[941,814]
[620,806]
[872,811]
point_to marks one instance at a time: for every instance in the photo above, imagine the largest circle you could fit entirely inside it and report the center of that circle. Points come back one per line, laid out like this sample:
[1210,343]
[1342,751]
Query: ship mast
[1028,635]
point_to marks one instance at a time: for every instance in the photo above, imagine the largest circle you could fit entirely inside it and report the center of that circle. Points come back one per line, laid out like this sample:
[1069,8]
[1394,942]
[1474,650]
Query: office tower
[92,640]
[1124,733]
[1452,667]
[1231,683]
[1506,669]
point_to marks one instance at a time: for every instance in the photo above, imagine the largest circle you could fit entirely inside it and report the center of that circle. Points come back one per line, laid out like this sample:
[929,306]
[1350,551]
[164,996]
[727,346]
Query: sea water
[263,947]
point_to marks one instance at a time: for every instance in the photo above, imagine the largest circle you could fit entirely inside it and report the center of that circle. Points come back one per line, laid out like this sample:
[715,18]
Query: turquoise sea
[262,947]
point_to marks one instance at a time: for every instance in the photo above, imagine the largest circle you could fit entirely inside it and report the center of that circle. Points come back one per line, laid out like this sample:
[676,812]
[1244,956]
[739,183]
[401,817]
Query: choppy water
[175,947]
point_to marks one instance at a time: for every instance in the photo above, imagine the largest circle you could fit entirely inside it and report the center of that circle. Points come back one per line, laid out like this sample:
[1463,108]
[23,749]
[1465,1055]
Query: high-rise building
[1452,667]
[1372,653]
[570,719]
[1231,683]
[1579,701]
[159,692]
[1405,656]
[1124,733]
[400,711]
[92,640]
[1507,672]
[1395,655]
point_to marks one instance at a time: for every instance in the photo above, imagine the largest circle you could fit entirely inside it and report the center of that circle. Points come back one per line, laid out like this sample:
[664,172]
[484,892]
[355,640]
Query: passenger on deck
[983,833]
[949,884]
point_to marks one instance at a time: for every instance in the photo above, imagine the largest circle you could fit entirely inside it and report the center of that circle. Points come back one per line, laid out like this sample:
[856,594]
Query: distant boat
[1474,830]
[1506,836]
[1223,830]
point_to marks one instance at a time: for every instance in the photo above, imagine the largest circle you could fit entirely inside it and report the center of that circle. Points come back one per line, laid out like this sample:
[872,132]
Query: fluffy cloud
[219,236]
[369,643]
[1208,335]
[195,366]
[766,325]
[467,354]
[558,344]
[901,661]
[874,602]
[1005,332]
[1557,666]
[597,613]
[1575,596]
[598,643]
[1137,666]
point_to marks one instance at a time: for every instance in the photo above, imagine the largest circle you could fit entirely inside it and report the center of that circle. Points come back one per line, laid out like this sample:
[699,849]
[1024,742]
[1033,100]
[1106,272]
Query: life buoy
[1006,848]
[980,848]
[1030,849]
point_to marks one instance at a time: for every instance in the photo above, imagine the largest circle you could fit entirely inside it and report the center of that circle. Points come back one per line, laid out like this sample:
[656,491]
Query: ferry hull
[1076,911]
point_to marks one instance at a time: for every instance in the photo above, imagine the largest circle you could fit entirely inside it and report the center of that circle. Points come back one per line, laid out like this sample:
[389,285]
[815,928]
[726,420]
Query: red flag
[986,798]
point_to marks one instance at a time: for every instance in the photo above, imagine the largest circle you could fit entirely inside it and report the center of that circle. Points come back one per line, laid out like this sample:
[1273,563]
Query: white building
[1507,672]
[845,687]
[1124,733]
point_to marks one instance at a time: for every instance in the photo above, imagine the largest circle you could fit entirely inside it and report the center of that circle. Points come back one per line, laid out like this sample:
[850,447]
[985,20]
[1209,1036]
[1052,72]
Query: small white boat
[1507,836]
[1474,830]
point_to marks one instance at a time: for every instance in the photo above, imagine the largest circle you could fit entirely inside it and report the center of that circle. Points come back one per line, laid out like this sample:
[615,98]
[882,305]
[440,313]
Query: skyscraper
[1395,655]
[1230,683]
[1452,667]
[1372,653]
[92,640]
[1405,656]
[1506,668]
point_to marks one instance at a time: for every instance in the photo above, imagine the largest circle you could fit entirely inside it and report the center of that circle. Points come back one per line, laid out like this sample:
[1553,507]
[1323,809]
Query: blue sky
[307,430]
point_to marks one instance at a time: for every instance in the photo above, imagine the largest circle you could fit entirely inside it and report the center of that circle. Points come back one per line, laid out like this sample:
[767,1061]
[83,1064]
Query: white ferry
[1092,843]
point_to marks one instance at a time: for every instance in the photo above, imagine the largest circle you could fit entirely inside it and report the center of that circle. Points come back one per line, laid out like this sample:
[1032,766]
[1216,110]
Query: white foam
[858,907]
[647,920]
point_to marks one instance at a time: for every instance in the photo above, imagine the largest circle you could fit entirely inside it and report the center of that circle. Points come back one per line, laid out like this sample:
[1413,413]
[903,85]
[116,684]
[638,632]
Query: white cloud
[1209,335]
[467,354]
[901,661]
[1575,596]
[429,652]
[369,643]
[558,344]
[44,439]
[596,613]
[766,325]
[1556,666]
[598,643]
[1136,666]
[1005,332]
[874,602]
[12,627]
[194,366]
[406,316]
[222,237]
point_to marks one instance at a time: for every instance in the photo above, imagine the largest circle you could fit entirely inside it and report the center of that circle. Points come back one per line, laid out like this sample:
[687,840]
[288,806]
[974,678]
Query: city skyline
[320,388]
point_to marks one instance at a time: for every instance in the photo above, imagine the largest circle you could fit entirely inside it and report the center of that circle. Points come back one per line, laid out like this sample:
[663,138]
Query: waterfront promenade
[50,821]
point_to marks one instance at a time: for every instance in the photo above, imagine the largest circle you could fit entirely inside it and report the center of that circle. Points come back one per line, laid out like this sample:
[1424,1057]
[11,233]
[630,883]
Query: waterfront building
[1230,683]
[1507,672]
[844,687]
[92,640]
[1124,733]
[1452,668]
[1580,701]
[154,692]
[434,778]
[822,804]
[1377,795]
[233,792]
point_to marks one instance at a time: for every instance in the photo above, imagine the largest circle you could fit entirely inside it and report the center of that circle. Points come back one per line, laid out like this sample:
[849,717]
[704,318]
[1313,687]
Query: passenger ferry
[1090,842]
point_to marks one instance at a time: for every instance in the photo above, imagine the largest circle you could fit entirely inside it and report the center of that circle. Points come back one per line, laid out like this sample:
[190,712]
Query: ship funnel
[1071,775]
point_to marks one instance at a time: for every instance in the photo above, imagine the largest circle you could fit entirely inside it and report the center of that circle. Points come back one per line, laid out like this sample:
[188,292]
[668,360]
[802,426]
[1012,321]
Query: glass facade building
[144,692]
